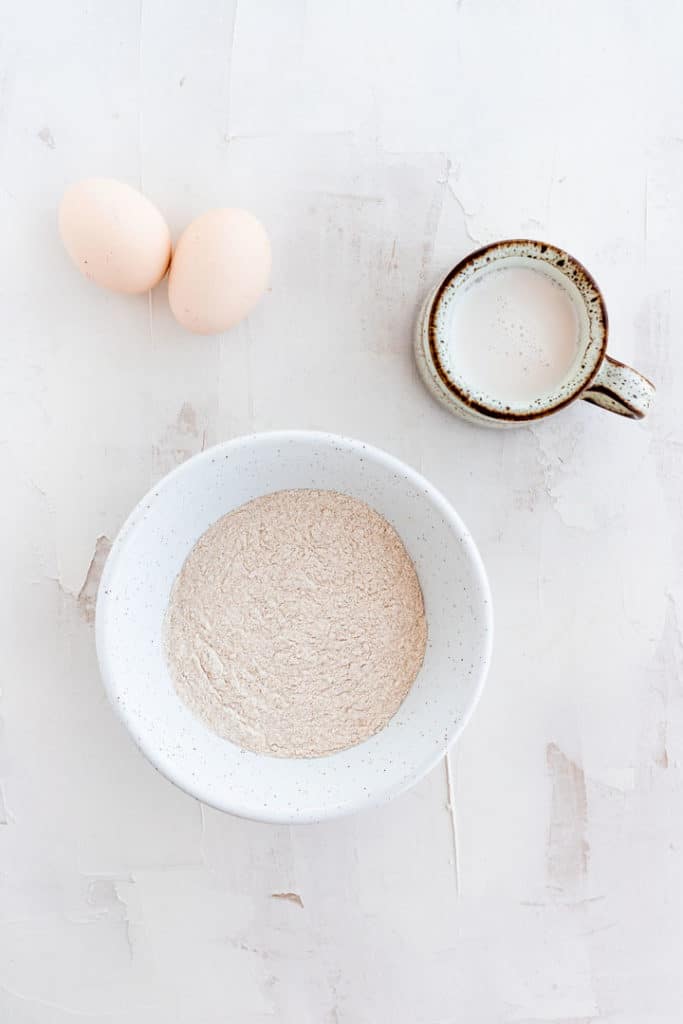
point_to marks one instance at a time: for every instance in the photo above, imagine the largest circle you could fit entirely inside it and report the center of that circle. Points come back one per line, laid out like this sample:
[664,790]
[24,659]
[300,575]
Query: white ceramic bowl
[134,593]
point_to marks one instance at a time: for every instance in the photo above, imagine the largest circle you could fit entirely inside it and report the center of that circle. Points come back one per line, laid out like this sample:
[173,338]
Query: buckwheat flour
[296,626]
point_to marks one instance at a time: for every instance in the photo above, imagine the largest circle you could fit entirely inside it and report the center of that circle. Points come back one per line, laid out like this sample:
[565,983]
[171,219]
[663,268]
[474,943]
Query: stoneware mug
[594,376]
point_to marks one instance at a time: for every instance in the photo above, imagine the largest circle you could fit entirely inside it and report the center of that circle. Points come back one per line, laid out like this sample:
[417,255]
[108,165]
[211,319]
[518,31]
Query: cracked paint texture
[537,875]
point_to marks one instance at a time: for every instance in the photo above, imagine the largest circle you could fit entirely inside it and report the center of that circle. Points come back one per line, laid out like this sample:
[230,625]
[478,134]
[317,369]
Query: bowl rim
[194,787]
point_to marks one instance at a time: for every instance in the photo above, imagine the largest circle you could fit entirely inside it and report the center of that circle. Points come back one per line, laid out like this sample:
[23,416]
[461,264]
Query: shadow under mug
[595,376]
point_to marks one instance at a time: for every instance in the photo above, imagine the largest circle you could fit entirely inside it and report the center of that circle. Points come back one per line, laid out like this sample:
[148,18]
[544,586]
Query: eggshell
[220,269]
[115,235]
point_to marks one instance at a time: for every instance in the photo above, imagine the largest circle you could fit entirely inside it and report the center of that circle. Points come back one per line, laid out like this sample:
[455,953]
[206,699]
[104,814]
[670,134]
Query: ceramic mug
[594,376]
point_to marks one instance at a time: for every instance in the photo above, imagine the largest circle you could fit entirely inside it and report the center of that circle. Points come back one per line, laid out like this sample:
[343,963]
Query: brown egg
[220,269]
[115,235]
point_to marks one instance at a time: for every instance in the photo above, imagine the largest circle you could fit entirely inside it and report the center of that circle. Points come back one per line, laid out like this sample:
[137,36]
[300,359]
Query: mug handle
[621,389]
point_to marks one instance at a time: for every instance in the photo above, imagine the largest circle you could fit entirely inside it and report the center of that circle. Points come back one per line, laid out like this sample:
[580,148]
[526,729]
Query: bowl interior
[134,593]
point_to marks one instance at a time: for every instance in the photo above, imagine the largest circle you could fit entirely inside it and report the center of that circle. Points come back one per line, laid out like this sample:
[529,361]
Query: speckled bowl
[134,593]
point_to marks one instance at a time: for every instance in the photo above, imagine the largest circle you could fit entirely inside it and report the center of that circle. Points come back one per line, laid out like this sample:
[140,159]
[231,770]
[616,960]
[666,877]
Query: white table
[379,142]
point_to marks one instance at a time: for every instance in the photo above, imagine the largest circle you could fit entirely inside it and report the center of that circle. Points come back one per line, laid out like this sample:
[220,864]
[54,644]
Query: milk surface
[513,334]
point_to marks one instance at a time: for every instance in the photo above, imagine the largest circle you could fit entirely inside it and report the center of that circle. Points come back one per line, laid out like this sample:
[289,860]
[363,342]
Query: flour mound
[296,626]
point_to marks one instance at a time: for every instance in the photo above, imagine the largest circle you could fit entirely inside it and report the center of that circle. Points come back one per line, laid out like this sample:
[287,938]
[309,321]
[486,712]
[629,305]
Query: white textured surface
[541,877]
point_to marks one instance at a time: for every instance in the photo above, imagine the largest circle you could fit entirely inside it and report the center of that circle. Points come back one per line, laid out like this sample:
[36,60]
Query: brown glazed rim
[543,248]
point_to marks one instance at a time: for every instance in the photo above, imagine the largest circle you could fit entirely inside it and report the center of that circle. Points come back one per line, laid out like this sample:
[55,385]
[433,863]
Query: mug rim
[559,258]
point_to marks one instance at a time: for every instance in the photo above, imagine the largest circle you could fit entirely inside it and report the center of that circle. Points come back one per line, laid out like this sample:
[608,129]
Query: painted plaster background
[539,875]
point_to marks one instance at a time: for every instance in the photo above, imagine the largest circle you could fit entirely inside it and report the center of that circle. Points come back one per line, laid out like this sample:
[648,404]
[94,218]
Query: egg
[115,235]
[219,271]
